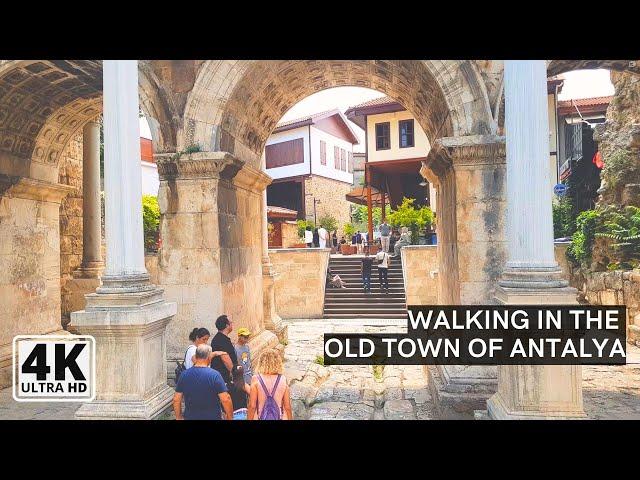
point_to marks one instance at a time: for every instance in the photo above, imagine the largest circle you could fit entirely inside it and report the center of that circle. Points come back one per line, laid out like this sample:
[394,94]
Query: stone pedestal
[542,392]
[127,315]
[129,325]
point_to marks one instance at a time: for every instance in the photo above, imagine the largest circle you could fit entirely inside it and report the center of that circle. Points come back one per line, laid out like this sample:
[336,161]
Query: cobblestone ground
[351,392]
[362,392]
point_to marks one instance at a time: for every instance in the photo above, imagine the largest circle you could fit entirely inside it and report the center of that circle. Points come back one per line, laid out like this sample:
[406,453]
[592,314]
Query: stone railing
[300,281]
[420,272]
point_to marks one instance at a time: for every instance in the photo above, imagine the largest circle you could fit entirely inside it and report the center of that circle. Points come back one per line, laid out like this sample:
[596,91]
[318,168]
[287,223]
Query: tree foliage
[151,222]
[406,215]
[564,221]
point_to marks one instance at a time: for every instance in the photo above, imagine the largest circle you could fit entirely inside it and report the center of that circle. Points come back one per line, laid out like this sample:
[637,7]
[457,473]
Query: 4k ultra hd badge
[54,368]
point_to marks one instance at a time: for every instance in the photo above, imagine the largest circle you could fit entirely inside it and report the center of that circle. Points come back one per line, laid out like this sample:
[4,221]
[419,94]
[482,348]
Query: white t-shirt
[308,236]
[323,234]
[384,256]
[189,354]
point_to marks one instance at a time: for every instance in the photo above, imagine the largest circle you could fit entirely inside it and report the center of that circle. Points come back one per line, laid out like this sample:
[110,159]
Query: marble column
[531,274]
[127,315]
[272,321]
[92,264]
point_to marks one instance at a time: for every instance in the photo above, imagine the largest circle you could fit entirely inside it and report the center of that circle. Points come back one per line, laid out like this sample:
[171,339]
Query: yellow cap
[244,332]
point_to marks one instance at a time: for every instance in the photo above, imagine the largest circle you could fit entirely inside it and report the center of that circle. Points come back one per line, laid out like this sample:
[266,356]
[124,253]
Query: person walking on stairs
[365,270]
[383,269]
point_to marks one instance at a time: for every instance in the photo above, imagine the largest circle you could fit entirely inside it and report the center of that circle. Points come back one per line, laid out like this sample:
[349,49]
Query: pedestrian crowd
[216,380]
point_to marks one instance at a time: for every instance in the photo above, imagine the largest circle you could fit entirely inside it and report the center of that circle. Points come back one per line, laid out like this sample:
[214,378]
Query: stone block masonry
[420,271]
[300,281]
[331,194]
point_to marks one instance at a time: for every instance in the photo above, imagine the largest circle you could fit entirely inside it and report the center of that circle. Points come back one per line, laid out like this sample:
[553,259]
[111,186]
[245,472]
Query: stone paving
[375,393]
[351,392]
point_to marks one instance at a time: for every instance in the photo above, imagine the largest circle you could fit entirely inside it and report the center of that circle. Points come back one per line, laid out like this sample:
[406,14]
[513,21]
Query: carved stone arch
[235,105]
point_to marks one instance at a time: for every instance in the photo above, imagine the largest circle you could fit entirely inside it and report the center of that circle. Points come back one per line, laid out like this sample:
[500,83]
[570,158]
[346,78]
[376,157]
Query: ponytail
[194,334]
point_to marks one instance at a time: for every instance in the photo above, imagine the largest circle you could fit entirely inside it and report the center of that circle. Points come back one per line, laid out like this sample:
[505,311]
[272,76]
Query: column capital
[251,179]
[173,166]
[473,150]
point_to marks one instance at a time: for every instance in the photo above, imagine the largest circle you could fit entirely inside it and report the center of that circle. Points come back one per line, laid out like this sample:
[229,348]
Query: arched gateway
[210,121]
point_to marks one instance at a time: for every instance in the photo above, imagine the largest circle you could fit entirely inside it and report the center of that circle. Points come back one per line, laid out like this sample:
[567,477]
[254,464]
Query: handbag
[180,367]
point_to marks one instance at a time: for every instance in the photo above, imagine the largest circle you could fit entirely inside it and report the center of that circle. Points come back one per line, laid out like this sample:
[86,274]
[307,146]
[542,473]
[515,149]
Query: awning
[359,195]
[274,212]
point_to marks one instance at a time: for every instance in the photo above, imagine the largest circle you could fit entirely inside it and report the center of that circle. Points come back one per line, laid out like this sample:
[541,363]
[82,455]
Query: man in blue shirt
[203,390]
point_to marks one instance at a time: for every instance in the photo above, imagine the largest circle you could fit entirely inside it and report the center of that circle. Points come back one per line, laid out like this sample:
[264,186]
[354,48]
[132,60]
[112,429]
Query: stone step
[354,302]
[376,316]
[366,297]
[364,308]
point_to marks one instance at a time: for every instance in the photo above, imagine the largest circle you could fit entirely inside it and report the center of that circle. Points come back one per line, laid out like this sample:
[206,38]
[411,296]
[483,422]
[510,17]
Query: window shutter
[323,152]
[336,157]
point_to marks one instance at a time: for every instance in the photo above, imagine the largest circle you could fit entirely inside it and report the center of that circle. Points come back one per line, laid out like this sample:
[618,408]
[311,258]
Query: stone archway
[230,111]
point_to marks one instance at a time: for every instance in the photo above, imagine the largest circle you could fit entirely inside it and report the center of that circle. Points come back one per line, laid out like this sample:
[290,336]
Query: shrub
[579,252]
[564,222]
[622,228]
[151,222]
[302,226]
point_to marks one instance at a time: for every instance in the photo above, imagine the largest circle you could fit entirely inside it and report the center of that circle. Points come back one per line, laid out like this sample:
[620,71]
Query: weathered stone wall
[29,265]
[331,194]
[240,220]
[621,132]
[151,264]
[300,281]
[606,288]
[420,272]
[289,235]
[70,173]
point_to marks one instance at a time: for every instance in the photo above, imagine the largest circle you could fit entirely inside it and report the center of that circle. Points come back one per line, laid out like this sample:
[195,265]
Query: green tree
[328,222]
[349,229]
[151,222]
[406,215]
[361,215]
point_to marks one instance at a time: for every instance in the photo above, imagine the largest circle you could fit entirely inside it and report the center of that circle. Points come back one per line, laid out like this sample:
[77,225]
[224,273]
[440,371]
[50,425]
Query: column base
[498,410]
[459,390]
[146,409]
[130,332]
[542,392]
[91,270]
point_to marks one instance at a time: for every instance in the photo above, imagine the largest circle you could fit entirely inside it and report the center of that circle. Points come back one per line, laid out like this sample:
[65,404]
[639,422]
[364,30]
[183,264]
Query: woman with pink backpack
[269,398]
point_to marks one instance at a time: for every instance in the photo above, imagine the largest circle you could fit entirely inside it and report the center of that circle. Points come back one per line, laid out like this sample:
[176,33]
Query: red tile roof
[375,102]
[312,119]
[585,105]
[280,212]
[306,119]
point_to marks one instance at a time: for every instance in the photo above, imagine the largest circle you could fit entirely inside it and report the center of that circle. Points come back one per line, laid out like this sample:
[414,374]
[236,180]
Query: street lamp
[315,202]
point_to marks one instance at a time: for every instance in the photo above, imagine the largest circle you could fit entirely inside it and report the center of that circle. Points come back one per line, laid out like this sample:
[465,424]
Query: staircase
[352,302]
